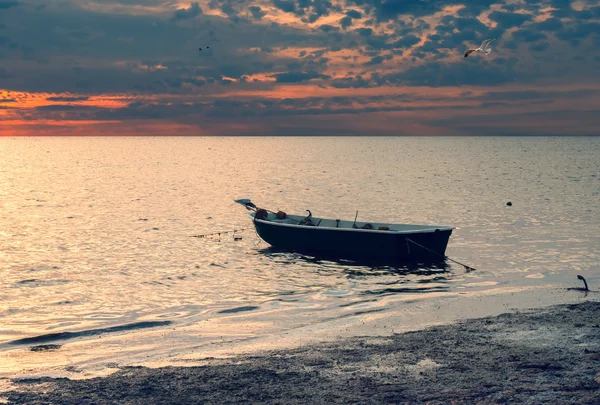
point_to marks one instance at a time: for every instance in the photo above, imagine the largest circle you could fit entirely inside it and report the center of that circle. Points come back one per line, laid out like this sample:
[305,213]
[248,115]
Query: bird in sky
[484,47]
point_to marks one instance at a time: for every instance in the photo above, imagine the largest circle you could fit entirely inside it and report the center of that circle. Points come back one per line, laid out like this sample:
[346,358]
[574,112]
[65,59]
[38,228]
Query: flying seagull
[484,47]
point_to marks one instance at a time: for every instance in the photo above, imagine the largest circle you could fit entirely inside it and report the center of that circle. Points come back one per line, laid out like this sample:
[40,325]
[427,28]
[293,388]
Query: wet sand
[549,355]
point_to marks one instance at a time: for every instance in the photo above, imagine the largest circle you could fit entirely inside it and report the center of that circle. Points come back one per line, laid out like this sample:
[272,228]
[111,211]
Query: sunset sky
[299,67]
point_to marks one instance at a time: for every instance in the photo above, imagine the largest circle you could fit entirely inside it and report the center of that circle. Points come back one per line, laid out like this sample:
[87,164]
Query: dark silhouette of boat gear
[308,220]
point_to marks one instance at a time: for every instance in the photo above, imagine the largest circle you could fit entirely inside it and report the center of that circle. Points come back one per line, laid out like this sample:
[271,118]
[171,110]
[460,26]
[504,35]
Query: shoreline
[547,355]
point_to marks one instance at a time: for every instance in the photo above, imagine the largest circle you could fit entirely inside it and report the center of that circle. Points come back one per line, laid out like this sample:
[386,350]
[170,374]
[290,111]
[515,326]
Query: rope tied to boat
[219,233]
[468,268]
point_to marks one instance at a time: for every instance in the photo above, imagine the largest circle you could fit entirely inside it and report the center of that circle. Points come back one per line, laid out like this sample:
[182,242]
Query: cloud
[365,32]
[297,77]
[6,4]
[376,60]
[575,33]
[346,22]
[508,20]
[309,11]
[406,41]
[289,6]
[354,14]
[276,53]
[257,12]
[328,28]
[524,95]
[440,74]
[187,13]
[67,98]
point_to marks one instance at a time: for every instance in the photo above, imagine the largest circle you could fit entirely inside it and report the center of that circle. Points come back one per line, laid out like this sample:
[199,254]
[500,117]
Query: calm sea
[96,233]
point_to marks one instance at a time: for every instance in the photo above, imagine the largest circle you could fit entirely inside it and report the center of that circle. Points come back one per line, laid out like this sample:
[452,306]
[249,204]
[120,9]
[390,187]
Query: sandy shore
[549,355]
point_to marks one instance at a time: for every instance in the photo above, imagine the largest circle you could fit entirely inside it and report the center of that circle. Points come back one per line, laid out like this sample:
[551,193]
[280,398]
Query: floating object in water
[580,277]
[208,47]
[509,204]
[484,47]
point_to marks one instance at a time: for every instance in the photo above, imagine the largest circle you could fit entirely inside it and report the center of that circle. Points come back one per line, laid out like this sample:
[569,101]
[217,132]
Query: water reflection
[368,265]
[373,277]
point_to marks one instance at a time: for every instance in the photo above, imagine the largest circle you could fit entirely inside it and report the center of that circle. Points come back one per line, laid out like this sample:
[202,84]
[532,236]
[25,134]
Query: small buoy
[509,204]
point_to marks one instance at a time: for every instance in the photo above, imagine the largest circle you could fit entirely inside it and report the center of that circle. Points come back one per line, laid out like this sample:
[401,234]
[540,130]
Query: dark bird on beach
[580,277]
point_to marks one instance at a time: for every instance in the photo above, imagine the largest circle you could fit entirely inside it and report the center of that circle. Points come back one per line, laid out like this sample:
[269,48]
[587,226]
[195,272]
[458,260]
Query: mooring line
[468,268]
[218,233]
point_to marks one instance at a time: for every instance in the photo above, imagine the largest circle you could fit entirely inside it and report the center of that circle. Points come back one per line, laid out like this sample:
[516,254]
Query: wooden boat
[352,239]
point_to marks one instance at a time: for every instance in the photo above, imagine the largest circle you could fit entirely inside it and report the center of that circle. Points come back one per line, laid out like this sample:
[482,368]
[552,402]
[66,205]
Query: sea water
[98,254]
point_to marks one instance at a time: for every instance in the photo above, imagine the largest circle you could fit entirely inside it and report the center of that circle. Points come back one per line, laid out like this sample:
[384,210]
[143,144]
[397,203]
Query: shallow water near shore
[97,255]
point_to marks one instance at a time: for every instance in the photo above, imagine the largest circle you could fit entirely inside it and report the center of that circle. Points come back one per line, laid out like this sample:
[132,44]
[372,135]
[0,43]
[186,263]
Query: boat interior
[282,218]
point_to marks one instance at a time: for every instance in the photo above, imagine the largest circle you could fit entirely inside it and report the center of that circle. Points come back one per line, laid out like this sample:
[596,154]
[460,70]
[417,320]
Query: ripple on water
[114,253]
[33,282]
